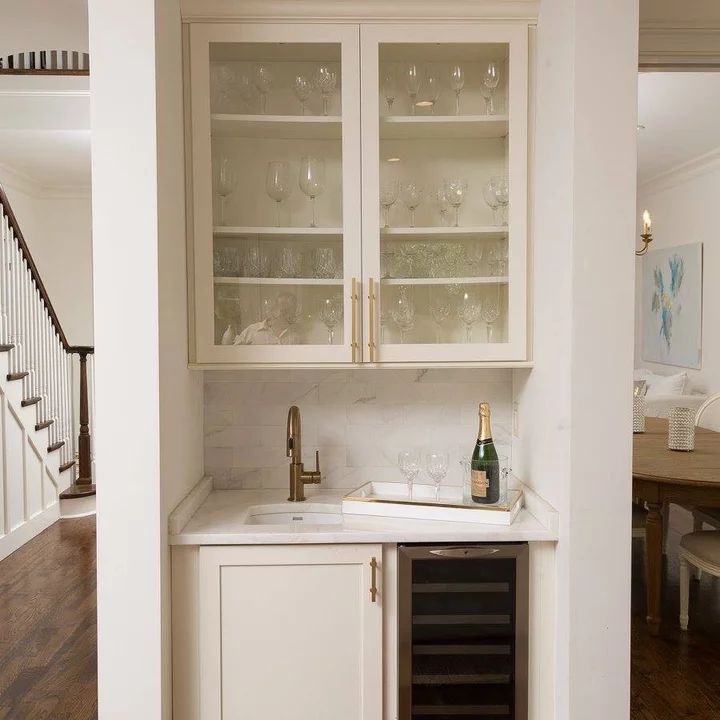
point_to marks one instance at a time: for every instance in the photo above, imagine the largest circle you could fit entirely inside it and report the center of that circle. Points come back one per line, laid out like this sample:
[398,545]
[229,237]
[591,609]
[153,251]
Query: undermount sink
[291,514]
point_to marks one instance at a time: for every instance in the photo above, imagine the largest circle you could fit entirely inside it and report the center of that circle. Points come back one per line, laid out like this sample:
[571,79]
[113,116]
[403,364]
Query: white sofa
[668,391]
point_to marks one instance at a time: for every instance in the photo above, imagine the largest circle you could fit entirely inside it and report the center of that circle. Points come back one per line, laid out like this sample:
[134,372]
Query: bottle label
[479,483]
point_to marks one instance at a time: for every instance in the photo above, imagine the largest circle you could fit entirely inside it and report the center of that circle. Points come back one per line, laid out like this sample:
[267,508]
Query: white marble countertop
[217,517]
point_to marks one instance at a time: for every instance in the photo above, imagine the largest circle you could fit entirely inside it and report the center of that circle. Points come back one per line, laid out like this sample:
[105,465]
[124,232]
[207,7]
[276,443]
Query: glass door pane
[282,261]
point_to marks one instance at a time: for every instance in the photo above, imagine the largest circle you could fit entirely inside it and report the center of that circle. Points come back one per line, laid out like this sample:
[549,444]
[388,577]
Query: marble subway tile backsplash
[358,419]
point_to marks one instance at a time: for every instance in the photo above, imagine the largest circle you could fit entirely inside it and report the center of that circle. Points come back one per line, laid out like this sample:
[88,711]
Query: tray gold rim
[433,503]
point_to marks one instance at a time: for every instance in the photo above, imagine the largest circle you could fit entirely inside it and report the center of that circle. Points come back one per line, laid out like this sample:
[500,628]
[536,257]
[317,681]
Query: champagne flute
[312,180]
[331,312]
[432,88]
[263,79]
[389,87]
[225,183]
[409,464]
[455,191]
[326,80]
[491,78]
[278,184]
[412,196]
[302,87]
[412,84]
[389,191]
[457,83]
[490,314]
[403,313]
[436,464]
[469,312]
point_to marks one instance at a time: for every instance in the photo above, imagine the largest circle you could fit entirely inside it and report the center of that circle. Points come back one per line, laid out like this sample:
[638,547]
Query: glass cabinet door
[444,192]
[276,192]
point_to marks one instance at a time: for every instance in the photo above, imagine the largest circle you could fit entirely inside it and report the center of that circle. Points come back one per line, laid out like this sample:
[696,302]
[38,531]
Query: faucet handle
[317,462]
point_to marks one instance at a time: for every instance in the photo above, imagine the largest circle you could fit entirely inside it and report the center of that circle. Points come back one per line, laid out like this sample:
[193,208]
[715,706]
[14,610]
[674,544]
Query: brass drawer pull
[373,580]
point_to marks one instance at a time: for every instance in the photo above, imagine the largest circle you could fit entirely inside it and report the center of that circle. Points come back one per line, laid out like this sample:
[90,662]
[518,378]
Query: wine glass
[491,78]
[389,87]
[443,205]
[469,312]
[457,83]
[412,83]
[412,196]
[224,80]
[331,312]
[245,89]
[501,187]
[263,79]
[225,183]
[326,80]
[290,265]
[436,464]
[303,88]
[389,191]
[324,263]
[439,309]
[403,313]
[492,201]
[409,464]
[490,313]
[455,191]
[432,88]
[278,184]
[312,180]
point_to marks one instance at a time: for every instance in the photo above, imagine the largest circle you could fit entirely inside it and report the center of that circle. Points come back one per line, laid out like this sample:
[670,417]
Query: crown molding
[358,10]
[680,174]
[29,185]
[679,46]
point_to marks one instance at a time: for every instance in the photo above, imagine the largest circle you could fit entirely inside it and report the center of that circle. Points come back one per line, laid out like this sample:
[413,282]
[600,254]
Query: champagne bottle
[485,468]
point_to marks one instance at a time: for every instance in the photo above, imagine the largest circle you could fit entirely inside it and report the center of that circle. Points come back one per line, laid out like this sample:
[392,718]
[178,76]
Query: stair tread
[6,348]
[44,424]
[55,446]
[30,401]
[17,375]
[67,465]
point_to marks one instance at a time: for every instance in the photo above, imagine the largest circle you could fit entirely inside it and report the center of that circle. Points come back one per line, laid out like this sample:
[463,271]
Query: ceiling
[680,112]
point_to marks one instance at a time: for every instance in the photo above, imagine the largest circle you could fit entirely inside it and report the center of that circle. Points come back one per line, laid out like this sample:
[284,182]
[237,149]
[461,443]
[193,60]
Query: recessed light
[424,103]
[393,159]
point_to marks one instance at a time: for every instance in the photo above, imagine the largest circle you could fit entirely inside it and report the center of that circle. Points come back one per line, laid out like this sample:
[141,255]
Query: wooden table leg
[653,564]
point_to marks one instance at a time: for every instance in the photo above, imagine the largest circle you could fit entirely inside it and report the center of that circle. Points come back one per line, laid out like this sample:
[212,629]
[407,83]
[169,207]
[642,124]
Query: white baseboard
[77,507]
[28,530]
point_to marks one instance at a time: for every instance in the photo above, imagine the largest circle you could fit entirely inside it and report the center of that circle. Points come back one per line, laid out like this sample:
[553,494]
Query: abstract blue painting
[672,306]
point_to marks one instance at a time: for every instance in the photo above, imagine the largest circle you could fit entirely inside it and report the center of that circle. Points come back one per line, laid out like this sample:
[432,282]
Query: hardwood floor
[677,675]
[48,641]
[48,657]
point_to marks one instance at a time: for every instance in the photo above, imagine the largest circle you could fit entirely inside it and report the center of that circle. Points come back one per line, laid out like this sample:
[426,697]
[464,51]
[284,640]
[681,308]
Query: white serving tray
[390,499]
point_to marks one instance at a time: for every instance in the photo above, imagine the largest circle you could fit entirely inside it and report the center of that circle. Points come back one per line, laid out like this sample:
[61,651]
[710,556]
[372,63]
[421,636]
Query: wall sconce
[646,235]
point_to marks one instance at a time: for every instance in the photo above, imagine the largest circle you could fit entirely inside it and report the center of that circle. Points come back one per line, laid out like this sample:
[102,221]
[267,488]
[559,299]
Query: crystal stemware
[443,205]
[326,80]
[412,83]
[432,88]
[501,187]
[439,309]
[455,191]
[278,184]
[225,183]
[469,311]
[290,262]
[490,313]
[324,264]
[492,201]
[403,313]
[409,464]
[457,83]
[262,79]
[312,180]
[389,191]
[436,464]
[497,259]
[256,262]
[246,90]
[491,78]
[331,312]
[412,196]
[389,87]
[303,88]
[224,81]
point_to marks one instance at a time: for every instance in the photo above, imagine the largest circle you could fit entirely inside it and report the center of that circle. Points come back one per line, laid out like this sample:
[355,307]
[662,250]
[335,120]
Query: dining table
[662,476]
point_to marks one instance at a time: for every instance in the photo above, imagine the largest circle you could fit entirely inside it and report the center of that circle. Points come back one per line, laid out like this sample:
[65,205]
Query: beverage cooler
[463,631]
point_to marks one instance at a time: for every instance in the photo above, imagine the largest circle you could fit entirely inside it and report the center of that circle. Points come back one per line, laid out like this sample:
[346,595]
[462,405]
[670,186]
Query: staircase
[39,372]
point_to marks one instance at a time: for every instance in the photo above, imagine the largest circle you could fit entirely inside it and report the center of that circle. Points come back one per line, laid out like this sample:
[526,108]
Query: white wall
[683,205]
[57,229]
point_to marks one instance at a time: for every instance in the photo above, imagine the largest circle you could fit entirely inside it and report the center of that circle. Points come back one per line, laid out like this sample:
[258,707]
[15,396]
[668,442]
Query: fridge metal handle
[465,552]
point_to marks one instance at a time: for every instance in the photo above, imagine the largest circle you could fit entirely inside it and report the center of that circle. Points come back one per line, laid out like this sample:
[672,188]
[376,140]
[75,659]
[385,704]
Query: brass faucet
[298,477]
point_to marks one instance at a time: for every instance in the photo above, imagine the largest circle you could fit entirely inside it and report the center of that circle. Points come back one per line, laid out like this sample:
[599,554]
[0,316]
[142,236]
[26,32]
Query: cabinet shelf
[277,281]
[400,127]
[228,231]
[447,281]
[442,233]
[289,127]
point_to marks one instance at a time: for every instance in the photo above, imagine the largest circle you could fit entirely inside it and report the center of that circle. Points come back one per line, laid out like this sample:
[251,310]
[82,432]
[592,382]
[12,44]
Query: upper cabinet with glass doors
[345,221]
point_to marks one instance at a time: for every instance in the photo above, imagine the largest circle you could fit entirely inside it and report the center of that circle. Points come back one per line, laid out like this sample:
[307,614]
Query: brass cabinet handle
[371,318]
[373,580]
[353,300]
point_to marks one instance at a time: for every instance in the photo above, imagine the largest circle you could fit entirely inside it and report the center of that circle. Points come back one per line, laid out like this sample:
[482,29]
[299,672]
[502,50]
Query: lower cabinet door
[291,633]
